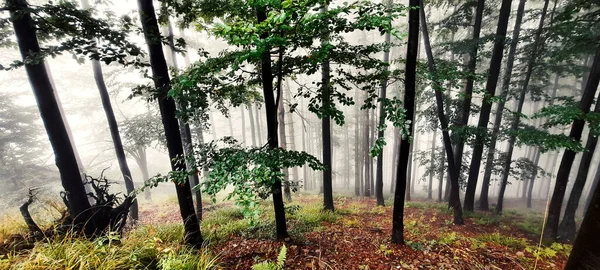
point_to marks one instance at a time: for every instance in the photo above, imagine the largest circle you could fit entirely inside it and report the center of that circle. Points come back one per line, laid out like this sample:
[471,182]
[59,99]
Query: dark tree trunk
[273,142]
[437,86]
[160,73]
[465,111]
[490,89]
[116,137]
[382,96]
[586,251]
[567,227]
[326,126]
[562,177]
[65,160]
[409,107]
[538,42]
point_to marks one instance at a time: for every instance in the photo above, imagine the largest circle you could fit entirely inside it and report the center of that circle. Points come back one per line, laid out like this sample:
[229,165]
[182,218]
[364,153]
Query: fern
[273,266]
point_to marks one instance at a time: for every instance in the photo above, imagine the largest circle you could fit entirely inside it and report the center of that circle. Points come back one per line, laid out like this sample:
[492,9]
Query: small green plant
[385,250]
[273,265]
[447,238]
[497,238]
[415,245]
[352,223]
[379,210]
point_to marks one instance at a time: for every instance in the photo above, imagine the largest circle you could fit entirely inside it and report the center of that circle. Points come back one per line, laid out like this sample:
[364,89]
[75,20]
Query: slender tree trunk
[326,126]
[271,114]
[116,137]
[408,172]
[567,227]
[243,117]
[382,96]
[562,177]
[160,71]
[44,92]
[441,176]
[409,107]
[142,162]
[437,86]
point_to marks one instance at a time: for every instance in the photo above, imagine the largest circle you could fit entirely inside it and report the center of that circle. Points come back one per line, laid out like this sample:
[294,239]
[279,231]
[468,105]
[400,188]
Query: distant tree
[326,127]
[382,95]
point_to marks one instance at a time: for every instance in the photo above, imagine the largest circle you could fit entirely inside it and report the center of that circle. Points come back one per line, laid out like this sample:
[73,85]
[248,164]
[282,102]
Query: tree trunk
[382,96]
[395,159]
[49,110]
[536,161]
[441,176]
[160,71]
[437,86]
[326,126]
[408,172]
[252,129]
[538,41]
[586,251]
[271,114]
[409,107]
[567,227]
[562,177]
[116,137]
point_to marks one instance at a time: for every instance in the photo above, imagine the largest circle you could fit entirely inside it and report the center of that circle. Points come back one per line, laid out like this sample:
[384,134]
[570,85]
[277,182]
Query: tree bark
[367,159]
[562,177]
[287,192]
[409,107]
[160,73]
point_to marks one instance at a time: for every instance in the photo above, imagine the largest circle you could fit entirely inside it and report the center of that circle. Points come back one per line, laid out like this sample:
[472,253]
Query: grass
[153,247]
[497,238]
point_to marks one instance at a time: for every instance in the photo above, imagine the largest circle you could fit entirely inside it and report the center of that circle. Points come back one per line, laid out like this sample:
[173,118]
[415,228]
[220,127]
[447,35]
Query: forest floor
[356,236]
